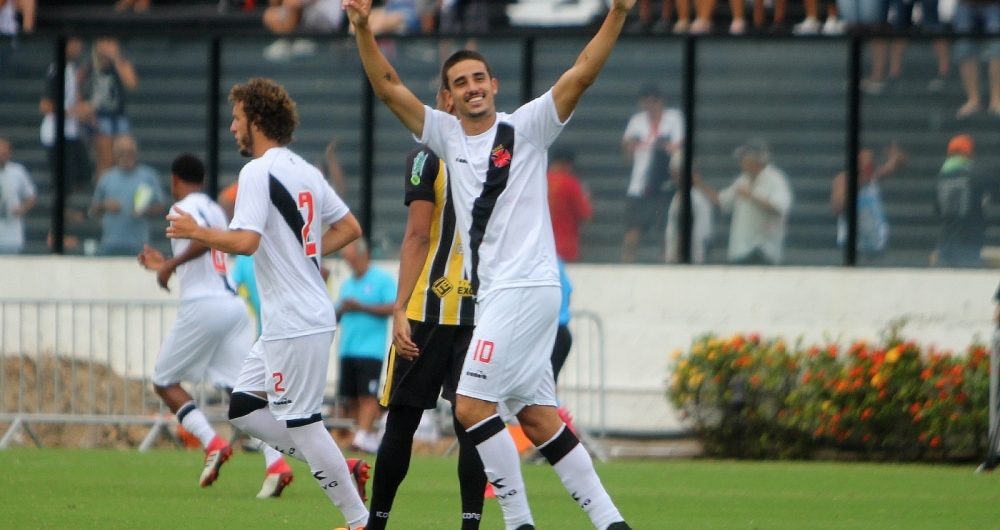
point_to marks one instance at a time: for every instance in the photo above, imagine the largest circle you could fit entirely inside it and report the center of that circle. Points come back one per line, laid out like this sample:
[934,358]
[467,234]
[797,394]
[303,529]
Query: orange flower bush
[753,397]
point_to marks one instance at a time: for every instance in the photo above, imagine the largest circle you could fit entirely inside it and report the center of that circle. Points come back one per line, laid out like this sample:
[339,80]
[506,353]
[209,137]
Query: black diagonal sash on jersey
[496,182]
[283,201]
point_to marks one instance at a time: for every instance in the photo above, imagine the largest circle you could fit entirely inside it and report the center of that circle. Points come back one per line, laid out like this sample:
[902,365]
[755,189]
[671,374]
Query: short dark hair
[459,56]
[188,168]
[269,107]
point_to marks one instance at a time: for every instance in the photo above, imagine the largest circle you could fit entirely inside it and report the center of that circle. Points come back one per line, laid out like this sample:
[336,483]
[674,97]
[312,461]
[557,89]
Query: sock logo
[584,504]
[498,484]
[503,496]
[318,475]
[470,516]
[382,515]
[290,451]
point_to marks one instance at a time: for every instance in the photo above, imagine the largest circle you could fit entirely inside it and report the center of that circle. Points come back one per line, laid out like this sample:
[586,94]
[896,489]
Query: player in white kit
[282,204]
[497,166]
[212,334]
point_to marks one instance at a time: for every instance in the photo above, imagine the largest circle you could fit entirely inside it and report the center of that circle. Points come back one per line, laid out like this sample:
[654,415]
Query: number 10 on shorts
[484,351]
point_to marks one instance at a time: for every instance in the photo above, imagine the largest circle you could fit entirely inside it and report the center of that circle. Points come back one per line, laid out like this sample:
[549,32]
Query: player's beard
[245,144]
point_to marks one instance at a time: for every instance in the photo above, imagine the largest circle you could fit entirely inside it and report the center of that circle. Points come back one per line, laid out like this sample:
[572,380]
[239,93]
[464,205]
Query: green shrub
[753,397]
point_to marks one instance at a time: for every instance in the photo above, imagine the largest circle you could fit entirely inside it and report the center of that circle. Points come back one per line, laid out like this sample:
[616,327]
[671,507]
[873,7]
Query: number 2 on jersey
[306,202]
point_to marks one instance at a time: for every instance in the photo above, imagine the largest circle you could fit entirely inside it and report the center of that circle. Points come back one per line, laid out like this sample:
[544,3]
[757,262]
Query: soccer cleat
[218,453]
[279,476]
[620,525]
[359,472]
[526,527]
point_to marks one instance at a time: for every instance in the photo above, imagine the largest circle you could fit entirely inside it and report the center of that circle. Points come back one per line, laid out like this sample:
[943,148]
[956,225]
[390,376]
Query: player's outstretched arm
[572,84]
[383,77]
[183,226]
[339,234]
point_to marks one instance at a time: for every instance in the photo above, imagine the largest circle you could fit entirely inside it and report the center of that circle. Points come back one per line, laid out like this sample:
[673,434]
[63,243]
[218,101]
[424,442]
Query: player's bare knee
[470,411]
[540,423]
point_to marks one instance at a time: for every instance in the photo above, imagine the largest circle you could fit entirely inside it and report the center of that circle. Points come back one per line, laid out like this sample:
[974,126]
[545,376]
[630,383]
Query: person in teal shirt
[363,310]
[246,285]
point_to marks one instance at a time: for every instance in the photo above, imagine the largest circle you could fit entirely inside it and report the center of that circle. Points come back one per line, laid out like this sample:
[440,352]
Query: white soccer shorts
[208,341]
[291,371]
[509,361]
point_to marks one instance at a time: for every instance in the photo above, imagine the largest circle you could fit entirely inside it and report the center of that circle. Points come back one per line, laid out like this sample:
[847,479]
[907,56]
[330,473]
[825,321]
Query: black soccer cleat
[620,525]
[526,527]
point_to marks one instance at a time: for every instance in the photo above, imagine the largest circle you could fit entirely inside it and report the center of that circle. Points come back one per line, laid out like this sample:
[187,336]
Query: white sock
[329,468]
[262,424]
[576,470]
[270,455]
[503,470]
[359,438]
[194,422]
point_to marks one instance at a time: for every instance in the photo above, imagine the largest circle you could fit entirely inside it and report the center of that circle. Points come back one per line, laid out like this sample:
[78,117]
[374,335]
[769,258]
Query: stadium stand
[790,91]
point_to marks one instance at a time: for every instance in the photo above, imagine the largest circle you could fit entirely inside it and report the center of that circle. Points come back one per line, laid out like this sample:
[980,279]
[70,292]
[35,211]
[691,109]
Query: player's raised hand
[182,225]
[359,10]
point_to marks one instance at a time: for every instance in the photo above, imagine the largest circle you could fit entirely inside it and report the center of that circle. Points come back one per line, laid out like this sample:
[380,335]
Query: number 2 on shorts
[277,384]
[306,202]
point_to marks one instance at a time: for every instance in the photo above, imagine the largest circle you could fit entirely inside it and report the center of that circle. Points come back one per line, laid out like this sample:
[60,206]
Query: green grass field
[55,488]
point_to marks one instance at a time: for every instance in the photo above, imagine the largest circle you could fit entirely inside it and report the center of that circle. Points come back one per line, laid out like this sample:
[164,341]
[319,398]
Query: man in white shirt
[17,197]
[281,206]
[651,139]
[702,213]
[212,334]
[759,200]
[497,176]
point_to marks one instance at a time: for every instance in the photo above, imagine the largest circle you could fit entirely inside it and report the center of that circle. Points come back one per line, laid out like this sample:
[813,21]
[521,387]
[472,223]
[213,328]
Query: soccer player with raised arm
[497,164]
[433,321]
[212,334]
[281,206]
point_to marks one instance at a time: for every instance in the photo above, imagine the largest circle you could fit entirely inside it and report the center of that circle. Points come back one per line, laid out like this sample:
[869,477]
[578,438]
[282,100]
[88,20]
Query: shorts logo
[500,156]
[483,352]
[282,401]
[442,287]
[477,374]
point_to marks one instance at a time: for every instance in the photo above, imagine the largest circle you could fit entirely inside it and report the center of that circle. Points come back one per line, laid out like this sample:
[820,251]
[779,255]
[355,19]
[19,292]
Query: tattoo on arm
[387,76]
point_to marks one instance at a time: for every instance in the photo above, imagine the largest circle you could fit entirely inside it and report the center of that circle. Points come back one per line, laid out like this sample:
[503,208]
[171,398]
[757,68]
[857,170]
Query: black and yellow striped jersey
[442,294]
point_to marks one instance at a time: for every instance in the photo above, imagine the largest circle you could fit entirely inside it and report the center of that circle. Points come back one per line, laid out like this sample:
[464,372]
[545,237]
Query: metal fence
[85,362]
[89,362]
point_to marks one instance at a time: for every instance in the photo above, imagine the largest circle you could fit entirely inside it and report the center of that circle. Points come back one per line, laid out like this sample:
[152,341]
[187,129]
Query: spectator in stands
[703,17]
[17,197]
[310,16]
[759,200]
[702,213]
[569,204]
[811,25]
[886,53]
[127,195]
[651,137]
[645,22]
[873,226]
[8,17]
[78,167]
[363,310]
[105,81]
[962,193]
[968,15]
[139,6]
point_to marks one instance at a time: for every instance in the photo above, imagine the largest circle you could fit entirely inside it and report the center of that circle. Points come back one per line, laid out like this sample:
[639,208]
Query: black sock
[471,479]
[392,462]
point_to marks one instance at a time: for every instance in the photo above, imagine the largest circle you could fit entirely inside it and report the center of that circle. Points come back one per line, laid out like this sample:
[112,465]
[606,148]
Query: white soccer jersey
[512,217]
[206,275]
[286,200]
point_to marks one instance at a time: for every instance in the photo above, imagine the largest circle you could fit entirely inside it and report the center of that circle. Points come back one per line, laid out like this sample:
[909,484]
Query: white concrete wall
[648,311]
